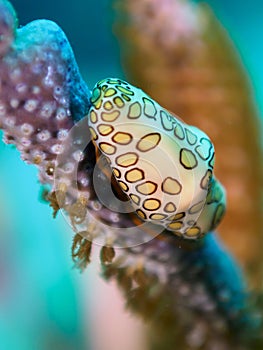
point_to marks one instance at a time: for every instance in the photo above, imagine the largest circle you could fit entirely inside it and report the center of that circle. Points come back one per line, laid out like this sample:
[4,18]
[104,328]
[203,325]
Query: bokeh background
[44,302]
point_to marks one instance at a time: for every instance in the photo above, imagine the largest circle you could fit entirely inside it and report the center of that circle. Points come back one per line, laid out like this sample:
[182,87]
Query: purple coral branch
[41,91]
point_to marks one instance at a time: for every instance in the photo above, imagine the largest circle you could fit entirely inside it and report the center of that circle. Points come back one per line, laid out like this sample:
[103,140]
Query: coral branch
[41,91]
[178,52]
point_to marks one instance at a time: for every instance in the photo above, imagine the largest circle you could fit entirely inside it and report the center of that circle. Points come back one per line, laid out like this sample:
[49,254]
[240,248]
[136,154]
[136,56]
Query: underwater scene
[131,175]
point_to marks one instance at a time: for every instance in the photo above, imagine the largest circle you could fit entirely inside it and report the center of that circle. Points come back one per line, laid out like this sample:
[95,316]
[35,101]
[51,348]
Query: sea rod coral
[188,286]
[179,53]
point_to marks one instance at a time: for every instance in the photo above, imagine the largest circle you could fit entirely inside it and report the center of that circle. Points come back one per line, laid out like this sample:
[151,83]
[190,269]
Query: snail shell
[162,164]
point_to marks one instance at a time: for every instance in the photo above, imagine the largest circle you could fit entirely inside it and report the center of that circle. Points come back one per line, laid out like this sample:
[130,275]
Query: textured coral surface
[42,93]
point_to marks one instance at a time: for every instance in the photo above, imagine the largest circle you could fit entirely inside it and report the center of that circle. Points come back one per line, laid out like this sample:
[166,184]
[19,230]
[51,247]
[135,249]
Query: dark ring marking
[124,90]
[96,94]
[179,132]
[171,186]
[142,143]
[105,129]
[196,207]
[188,159]
[101,81]
[205,181]
[138,175]
[122,138]
[135,110]
[110,92]
[175,225]
[128,159]
[141,214]
[158,216]
[200,152]
[123,186]
[212,160]
[142,188]
[193,231]
[149,108]
[166,121]
[93,133]
[136,199]
[177,216]
[220,210]
[151,204]
[116,172]
[171,206]
[107,148]
[126,98]
[118,102]
[110,116]
[191,137]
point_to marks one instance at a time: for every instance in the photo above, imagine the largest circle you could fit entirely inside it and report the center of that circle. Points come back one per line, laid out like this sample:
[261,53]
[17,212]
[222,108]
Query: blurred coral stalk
[178,52]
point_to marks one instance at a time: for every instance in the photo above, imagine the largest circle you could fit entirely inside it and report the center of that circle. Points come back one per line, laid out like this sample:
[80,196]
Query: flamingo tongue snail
[162,164]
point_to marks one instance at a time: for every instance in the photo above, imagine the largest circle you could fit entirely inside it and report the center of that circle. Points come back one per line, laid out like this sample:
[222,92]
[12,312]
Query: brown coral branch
[179,53]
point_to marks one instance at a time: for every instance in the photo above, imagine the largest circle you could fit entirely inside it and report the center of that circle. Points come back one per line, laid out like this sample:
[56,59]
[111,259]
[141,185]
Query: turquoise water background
[41,305]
